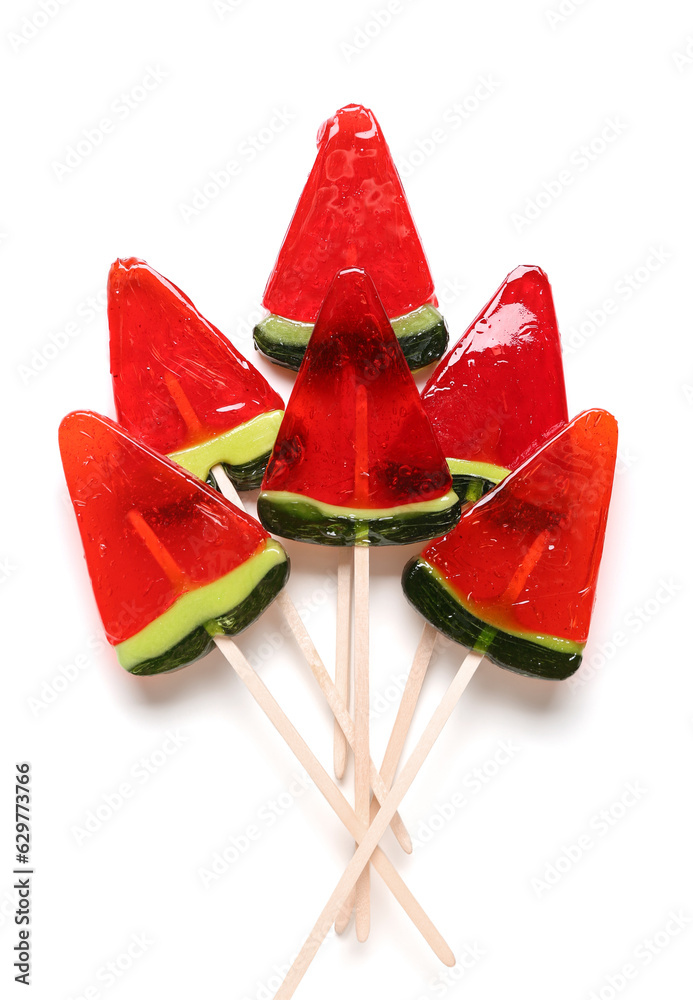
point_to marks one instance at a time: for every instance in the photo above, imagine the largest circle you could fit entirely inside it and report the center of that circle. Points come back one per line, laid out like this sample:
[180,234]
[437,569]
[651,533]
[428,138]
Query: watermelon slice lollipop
[516,578]
[356,460]
[515,582]
[499,393]
[356,463]
[180,387]
[352,212]
[163,382]
[172,563]
[176,568]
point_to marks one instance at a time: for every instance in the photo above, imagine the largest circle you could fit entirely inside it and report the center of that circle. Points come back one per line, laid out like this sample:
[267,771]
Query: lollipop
[356,463]
[497,397]
[182,389]
[499,393]
[172,564]
[180,386]
[175,569]
[353,210]
[514,581]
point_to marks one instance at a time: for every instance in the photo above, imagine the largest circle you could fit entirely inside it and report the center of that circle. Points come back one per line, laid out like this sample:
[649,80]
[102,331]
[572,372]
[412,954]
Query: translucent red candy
[525,557]
[151,532]
[353,211]
[355,433]
[499,393]
[177,380]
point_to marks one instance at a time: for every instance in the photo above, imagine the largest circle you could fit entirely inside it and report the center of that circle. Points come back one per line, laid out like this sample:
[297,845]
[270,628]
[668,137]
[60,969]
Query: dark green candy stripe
[470,488]
[420,349]
[521,655]
[199,642]
[303,522]
[243,477]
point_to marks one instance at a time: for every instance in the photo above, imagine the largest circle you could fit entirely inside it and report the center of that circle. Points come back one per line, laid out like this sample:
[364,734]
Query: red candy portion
[526,556]
[177,381]
[353,211]
[151,532]
[499,393]
[355,433]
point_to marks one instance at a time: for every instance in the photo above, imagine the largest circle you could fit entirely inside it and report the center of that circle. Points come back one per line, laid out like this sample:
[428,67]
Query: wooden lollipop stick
[362,788]
[362,903]
[407,706]
[379,825]
[329,789]
[317,667]
[343,654]
[344,915]
[400,731]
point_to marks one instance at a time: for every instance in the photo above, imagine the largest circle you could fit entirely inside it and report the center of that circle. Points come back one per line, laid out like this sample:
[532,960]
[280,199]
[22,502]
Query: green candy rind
[317,523]
[533,655]
[174,636]
[243,477]
[244,451]
[470,480]
[199,642]
[422,335]
[470,488]
[194,646]
[244,614]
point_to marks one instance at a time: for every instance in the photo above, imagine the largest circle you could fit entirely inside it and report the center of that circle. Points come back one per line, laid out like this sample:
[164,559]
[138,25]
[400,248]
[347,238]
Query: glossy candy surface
[353,212]
[355,437]
[154,535]
[517,575]
[499,393]
[179,385]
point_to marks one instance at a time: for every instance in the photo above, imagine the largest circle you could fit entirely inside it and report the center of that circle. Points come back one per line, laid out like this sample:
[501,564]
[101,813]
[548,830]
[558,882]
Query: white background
[627,718]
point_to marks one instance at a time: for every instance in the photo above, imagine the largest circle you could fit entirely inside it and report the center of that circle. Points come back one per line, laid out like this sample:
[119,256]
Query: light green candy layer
[483,470]
[199,606]
[281,497]
[238,446]
[549,641]
[289,332]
